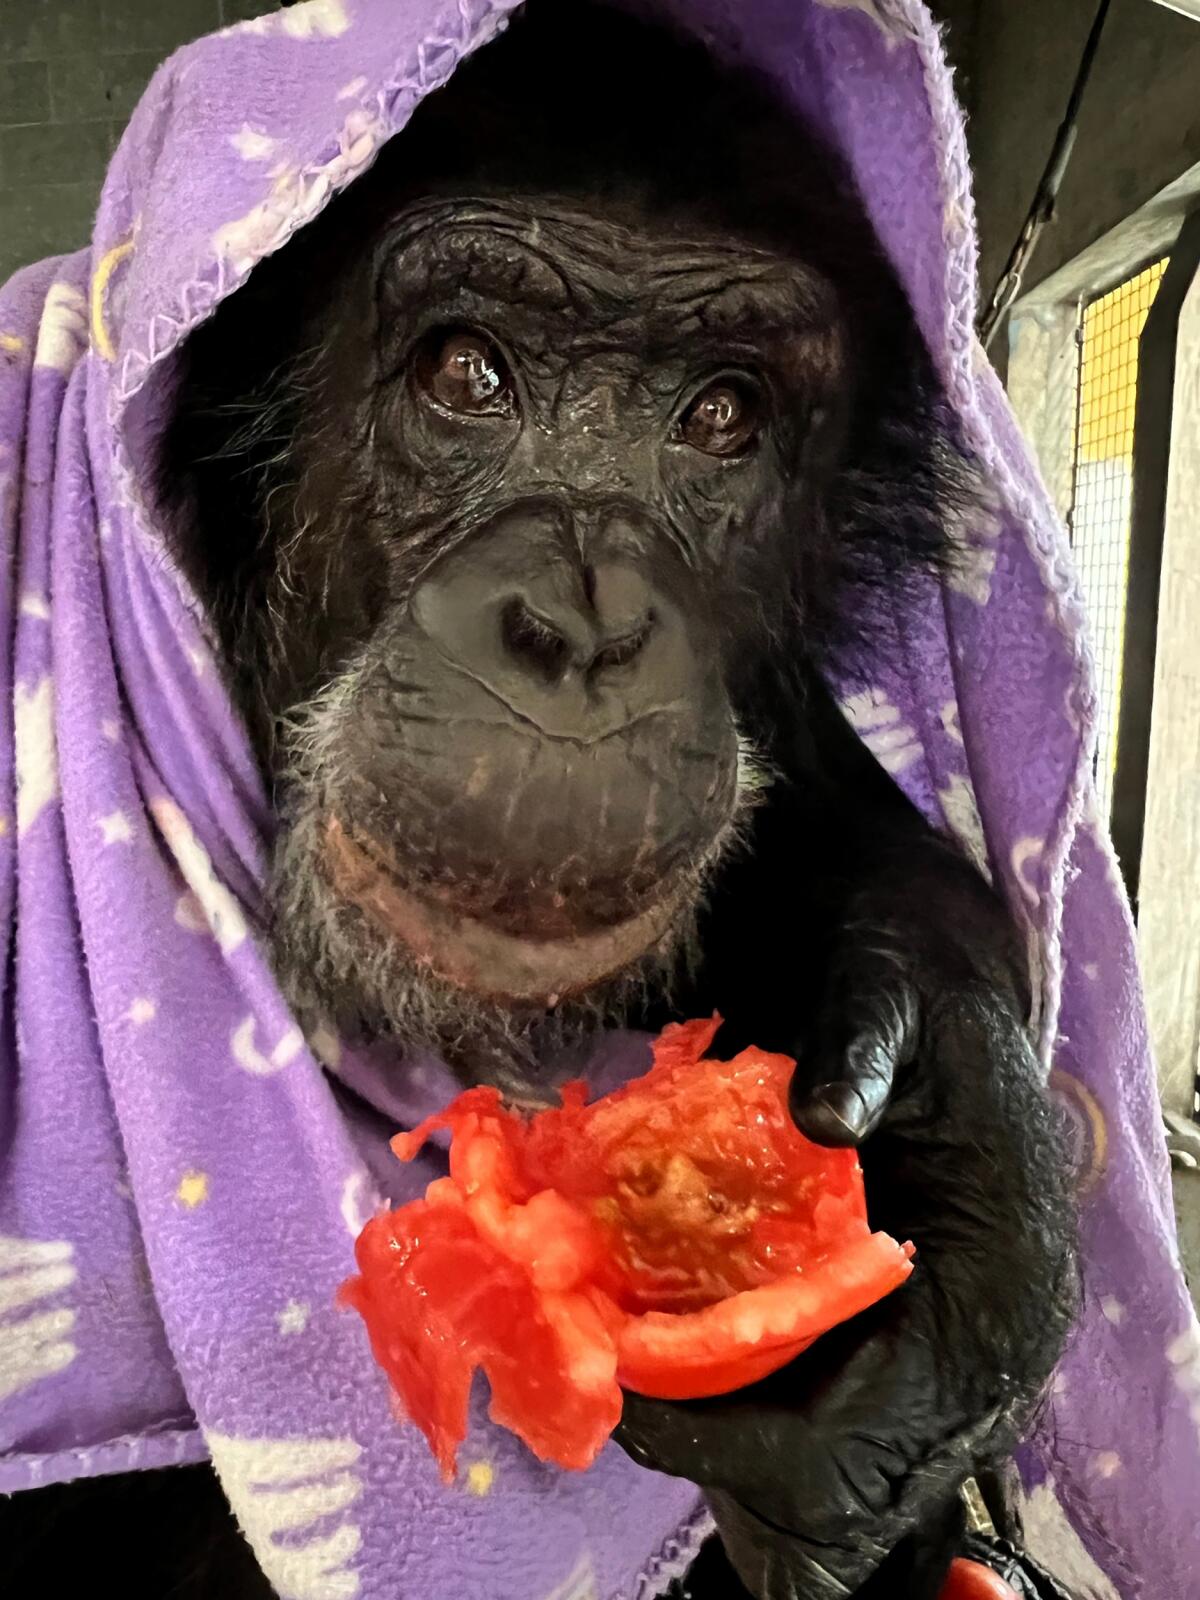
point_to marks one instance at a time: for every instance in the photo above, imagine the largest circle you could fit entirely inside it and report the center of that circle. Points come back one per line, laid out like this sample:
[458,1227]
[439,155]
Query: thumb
[868,1029]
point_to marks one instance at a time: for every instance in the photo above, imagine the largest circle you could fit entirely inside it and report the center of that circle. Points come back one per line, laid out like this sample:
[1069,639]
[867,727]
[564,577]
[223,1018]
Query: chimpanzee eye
[723,420]
[464,372]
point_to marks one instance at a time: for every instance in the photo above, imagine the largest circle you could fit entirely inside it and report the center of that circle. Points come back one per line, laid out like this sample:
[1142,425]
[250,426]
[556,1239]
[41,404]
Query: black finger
[842,1085]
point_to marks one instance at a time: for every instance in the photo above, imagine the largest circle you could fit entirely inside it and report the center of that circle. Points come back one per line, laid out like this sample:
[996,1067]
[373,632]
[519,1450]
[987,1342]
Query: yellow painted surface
[1111,328]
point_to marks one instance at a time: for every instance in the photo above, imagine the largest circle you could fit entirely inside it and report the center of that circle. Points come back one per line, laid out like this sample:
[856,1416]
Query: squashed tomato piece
[679,1237]
[439,1301]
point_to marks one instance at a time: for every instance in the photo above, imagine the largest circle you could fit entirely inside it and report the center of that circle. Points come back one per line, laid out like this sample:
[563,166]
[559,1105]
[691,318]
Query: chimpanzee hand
[840,1475]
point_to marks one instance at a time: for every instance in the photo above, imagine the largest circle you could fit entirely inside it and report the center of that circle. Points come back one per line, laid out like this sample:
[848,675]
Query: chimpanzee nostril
[533,641]
[620,652]
[550,646]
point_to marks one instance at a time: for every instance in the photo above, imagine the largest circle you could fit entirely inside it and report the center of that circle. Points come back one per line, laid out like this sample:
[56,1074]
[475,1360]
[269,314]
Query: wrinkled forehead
[573,269]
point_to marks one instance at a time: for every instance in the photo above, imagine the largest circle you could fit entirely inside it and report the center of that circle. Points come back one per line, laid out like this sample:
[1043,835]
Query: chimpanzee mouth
[486,960]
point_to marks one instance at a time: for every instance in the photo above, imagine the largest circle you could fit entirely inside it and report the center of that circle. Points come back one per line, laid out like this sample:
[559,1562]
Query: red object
[679,1237]
[971,1580]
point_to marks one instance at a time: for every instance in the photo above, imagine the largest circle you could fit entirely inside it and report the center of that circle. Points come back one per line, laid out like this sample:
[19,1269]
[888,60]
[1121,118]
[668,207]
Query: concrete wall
[1139,130]
[71,72]
[960,22]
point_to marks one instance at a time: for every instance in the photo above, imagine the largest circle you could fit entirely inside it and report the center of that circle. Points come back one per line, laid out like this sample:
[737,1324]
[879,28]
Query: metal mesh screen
[1110,328]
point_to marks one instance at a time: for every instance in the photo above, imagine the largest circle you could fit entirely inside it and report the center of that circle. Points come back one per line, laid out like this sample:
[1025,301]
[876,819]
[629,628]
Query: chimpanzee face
[555,453]
[518,484]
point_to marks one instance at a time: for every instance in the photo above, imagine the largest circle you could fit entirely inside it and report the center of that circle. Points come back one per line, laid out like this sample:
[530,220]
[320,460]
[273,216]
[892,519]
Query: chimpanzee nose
[549,637]
[578,650]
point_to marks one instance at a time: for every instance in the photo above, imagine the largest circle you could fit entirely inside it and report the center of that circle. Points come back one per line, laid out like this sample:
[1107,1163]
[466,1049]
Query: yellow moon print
[1087,1127]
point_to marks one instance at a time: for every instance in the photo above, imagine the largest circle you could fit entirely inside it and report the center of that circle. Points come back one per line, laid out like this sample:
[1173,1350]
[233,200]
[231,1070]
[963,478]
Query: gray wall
[70,73]
[1139,130]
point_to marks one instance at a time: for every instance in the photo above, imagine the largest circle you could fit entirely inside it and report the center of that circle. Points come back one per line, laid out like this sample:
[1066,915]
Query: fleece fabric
[180,1183]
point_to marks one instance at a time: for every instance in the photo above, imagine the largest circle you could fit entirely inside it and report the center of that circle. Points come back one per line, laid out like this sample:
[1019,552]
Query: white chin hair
[754,774]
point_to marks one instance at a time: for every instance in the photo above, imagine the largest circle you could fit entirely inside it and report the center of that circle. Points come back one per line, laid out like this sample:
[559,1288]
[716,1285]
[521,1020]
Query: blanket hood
[167,1302]
[244,137]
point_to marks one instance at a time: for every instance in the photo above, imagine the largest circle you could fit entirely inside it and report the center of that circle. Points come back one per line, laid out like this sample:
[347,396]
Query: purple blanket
[179,1183]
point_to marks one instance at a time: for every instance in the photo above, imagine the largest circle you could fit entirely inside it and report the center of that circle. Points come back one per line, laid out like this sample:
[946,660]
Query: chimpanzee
[533,492]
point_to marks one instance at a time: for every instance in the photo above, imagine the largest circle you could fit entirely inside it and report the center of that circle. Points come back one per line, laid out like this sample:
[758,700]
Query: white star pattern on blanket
[294,1317]
[252,145]
[116,828]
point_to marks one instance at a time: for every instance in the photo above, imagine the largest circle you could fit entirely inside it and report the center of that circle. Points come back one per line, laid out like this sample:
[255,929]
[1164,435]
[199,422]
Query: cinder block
[44,220]
[48,152]
[87,87]
[243,10]
[24,90]
[34,30]
[158,25]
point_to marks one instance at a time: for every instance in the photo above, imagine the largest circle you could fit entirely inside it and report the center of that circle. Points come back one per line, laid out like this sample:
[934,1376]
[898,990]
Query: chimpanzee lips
[473,953]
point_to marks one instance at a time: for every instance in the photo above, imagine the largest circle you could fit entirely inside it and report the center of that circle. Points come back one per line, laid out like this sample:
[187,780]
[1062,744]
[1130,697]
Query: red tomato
[679,1237]
[970,1580]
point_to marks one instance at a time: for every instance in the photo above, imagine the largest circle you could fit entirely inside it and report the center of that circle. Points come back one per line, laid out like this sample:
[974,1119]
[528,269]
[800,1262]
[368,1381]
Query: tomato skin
[750,1335]
[970,1580]
[679,1237]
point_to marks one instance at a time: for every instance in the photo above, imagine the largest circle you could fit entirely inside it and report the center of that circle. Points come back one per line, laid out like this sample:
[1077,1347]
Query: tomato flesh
[679,1237]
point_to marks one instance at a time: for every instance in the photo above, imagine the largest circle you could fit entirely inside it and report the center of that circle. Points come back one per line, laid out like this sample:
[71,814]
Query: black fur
[313,499]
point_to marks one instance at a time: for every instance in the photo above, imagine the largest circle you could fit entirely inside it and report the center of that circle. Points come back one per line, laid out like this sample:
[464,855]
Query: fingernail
[841,1113]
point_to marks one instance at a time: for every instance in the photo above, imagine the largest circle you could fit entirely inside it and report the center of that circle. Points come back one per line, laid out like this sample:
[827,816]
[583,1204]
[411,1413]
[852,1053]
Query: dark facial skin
[595,429]
[519,489]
